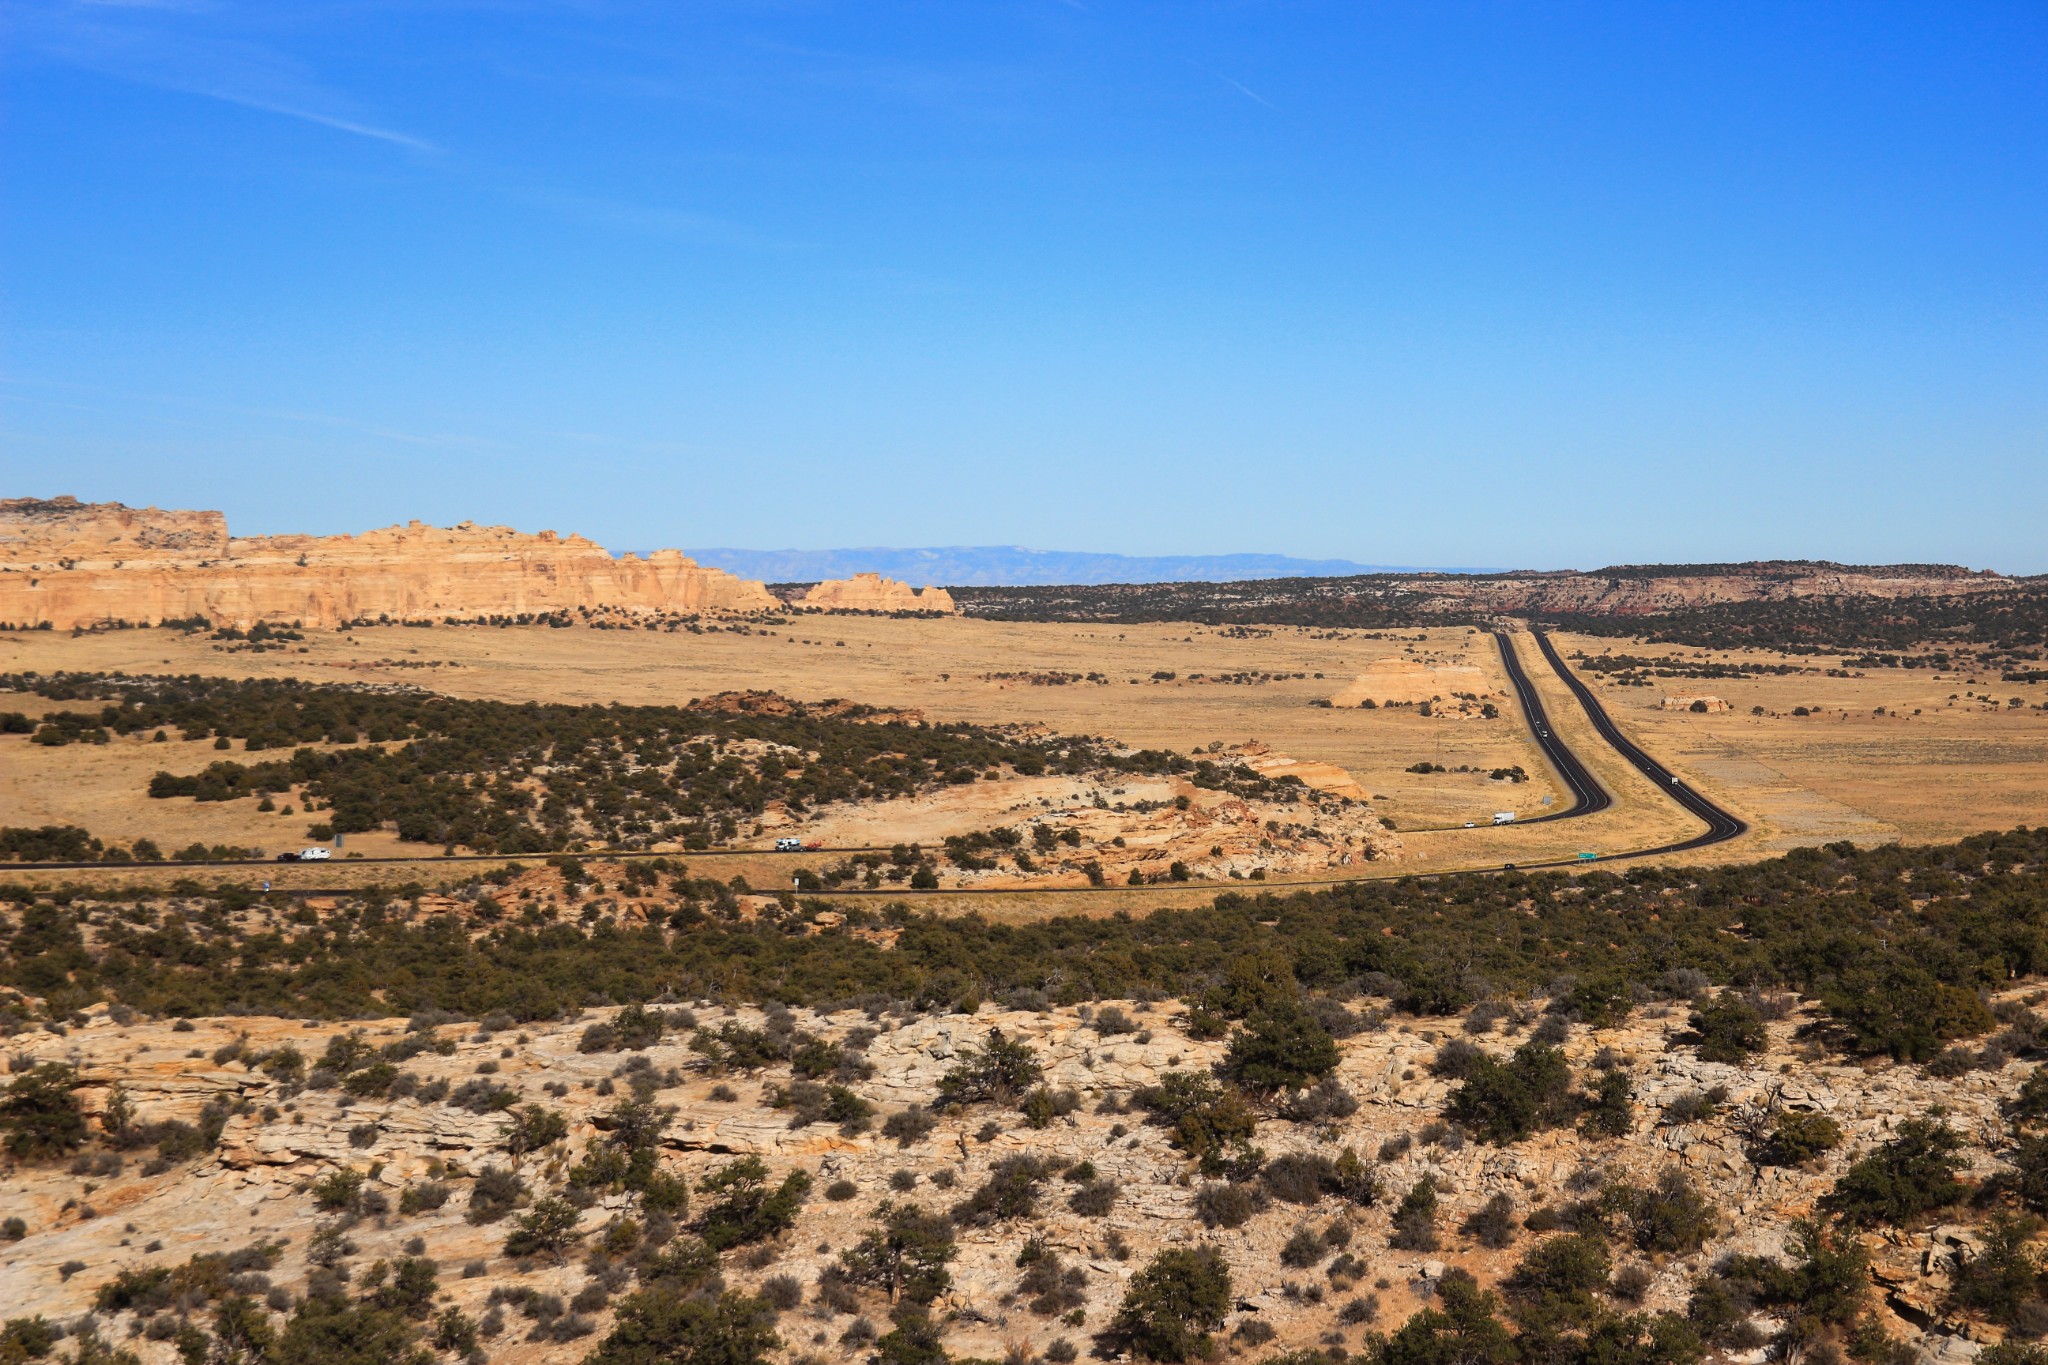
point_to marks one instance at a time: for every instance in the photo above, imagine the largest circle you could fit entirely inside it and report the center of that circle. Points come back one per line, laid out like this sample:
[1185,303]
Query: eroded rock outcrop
[80,1227]
[1456,690]
[68,563]
[872,592]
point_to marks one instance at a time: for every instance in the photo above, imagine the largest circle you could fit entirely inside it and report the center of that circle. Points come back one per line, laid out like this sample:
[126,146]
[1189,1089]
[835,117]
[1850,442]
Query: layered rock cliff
[68,563]
[872,592]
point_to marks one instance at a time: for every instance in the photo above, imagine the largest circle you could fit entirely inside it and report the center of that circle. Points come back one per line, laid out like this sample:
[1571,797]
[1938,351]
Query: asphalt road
[1588,795]
[1722,825]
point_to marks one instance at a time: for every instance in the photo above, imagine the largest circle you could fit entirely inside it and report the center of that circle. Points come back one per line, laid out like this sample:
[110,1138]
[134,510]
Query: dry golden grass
[1952,769]
[1930,768]
[938,667]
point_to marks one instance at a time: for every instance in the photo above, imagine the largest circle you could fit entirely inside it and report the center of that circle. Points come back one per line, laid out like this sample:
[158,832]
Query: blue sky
[1531,284]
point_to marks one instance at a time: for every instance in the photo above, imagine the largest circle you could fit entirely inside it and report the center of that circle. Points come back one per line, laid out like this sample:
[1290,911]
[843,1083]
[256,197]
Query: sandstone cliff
[70,564]
[872,592]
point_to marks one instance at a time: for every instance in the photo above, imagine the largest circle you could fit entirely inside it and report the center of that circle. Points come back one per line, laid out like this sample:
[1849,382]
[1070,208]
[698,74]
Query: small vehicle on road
[789,845]
[287,857]
[315,854]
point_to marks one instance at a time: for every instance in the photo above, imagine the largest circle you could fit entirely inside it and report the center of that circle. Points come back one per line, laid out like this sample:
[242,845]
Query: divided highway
[1587,793]
[1721,824]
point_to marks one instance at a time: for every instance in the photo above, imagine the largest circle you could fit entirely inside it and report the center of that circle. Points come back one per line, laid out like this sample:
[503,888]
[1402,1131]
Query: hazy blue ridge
[1010,566]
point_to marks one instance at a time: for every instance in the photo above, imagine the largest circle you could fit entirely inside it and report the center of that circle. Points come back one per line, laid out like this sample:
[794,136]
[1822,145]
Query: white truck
[316,854]
[1503,817]
[789,845]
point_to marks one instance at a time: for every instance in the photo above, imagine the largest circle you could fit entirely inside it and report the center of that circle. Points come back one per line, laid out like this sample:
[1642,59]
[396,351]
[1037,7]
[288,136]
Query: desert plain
[1882,754]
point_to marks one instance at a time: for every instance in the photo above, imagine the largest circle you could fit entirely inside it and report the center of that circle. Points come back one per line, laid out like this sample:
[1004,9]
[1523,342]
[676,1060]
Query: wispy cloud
[648,219]
[1241,88]
[155,43]
[214,50]
[311,116]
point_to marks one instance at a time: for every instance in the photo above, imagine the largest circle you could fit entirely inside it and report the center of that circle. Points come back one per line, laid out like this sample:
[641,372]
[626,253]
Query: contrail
[308,116]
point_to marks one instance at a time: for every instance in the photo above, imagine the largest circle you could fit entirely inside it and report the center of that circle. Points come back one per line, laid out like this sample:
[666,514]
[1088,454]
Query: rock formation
[280,1136]
[1390,681]
[1694,701]
[67,564]
[872,592]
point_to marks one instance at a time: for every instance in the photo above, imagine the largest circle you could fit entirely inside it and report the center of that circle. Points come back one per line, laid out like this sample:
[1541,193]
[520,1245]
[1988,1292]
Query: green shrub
[1460,1329]
[1492,1225]
[1561,1274]
[1281,1047]
[915,1341]
[1670,1217]
[1912,1174]
[1011,1191]
[2002,1281]
[1507,1101]
[1609,1115]
[1225,1205]
[1726,1029]
[1415,1218]
[1207,1121]
[495,1193]
[23,1339]
[546,1229]
[744,1209]
[1173,1304]
[339,1191]
[41,1113]
[664,1324]
[1825,1285]
[904,1253]
[1094,1198]
[1900,1008]
[1303,1249]
[909,1126]
[1000,1070]
[533,1128]
[1797,1137]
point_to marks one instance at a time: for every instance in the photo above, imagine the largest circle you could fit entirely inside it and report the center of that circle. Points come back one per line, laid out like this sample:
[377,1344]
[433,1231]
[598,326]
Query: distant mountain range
[1013,566]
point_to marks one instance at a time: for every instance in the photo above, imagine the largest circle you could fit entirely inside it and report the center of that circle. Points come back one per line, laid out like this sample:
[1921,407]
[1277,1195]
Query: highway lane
[1588,795]
[1722,825]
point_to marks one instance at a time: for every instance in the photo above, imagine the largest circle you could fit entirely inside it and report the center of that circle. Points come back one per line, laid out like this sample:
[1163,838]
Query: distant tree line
[1898,944]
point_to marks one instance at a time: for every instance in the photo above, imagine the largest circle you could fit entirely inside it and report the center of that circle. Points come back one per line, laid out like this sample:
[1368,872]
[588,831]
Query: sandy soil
[945,668]
[1958,766]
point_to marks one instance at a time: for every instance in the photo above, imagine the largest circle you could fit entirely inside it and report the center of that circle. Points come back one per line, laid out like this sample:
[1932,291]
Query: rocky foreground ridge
[349,1152]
